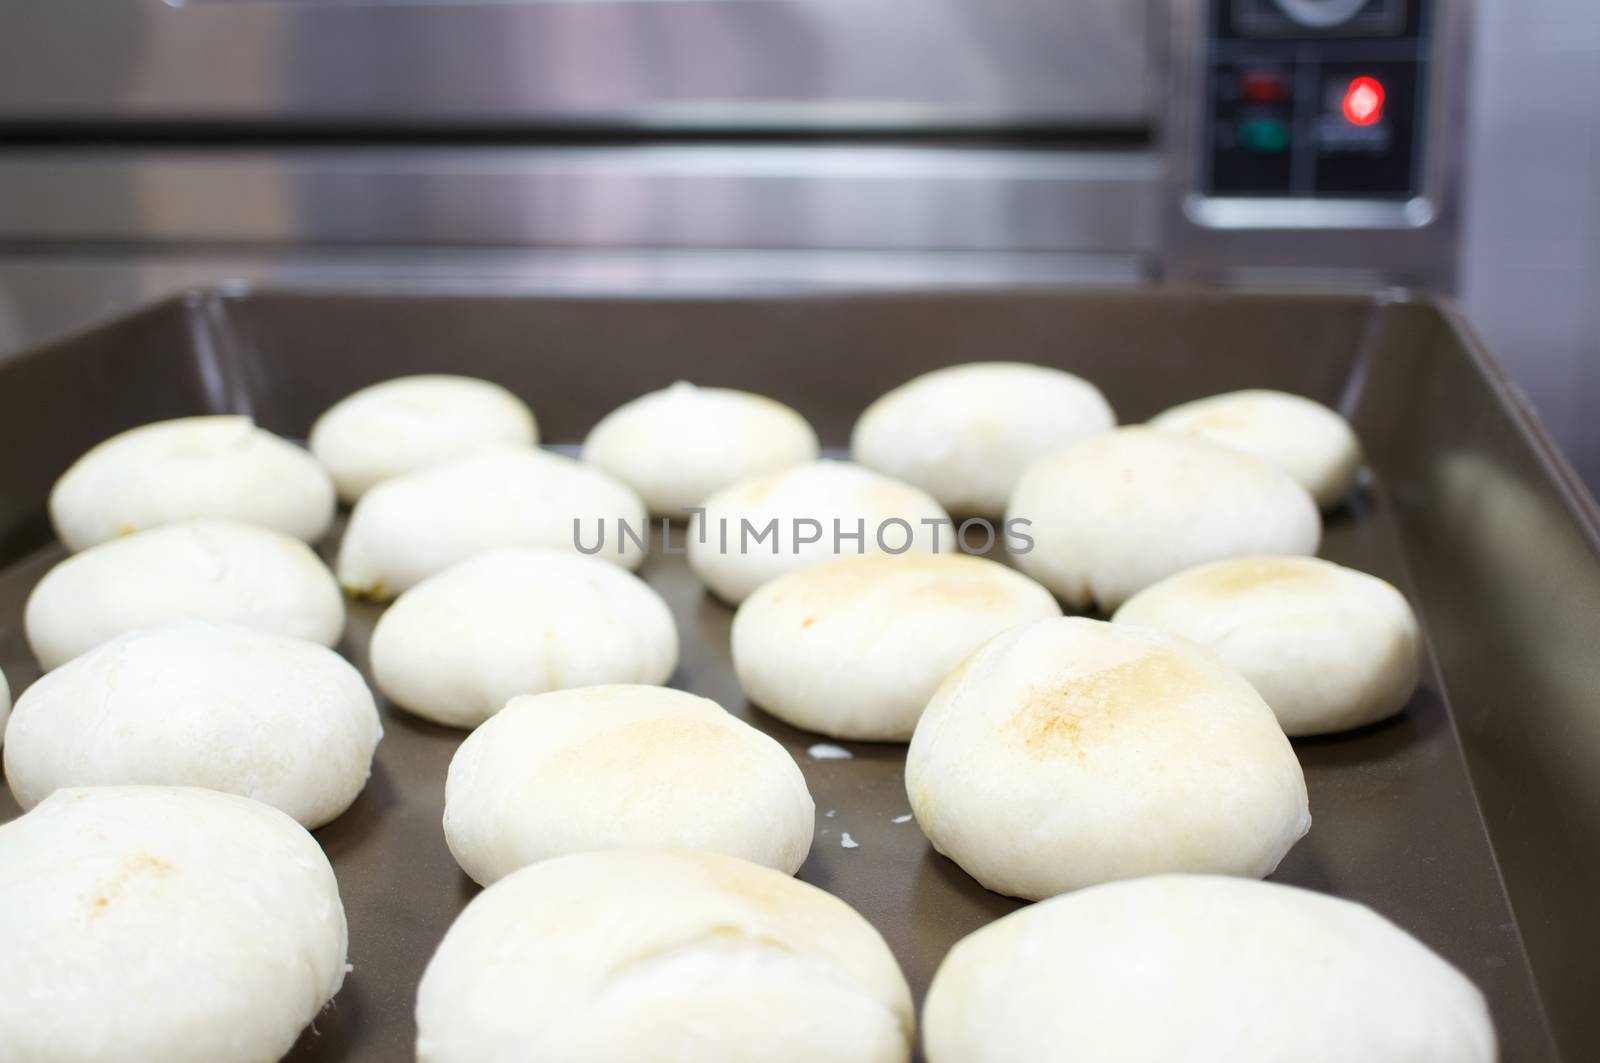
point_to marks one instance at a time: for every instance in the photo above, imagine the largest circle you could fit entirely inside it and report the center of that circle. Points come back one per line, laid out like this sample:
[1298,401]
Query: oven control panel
[1315,99]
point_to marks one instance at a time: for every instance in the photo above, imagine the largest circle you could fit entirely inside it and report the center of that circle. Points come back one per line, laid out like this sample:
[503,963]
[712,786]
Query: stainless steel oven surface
[1213,139]
[620,64]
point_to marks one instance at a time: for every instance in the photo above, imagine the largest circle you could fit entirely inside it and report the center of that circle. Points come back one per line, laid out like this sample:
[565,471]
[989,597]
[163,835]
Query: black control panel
[1316,99]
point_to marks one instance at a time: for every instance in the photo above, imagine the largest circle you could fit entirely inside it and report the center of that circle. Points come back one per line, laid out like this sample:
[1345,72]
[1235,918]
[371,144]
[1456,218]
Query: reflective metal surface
[1531,217]
[674,67]
[44,295]
[1470,819]
[1304,214]
[858,197]
[617,63]
[1285,240]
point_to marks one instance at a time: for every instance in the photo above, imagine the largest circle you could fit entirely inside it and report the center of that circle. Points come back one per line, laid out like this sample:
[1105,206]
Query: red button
[1263,86]
[1363,101]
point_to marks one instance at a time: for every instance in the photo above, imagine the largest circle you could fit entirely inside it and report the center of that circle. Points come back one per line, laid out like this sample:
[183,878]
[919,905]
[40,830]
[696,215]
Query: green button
[1265,135]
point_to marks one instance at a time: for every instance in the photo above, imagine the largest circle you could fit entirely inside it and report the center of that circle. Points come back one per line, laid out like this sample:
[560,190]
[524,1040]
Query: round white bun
[805,502]
[1328,647]
[854,648]
[204,570]
[966,433]
[1118,512]
[411,422]
[1072,752]
[633,955]
[1203,969]
[5,705]
[679,445]
[193,468]
[188,703]
[617,767]
[163,923]
[413,526]
[1305,439]
[457,646]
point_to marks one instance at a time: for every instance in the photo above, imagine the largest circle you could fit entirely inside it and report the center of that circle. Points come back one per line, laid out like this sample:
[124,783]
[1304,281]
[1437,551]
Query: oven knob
[1321,14]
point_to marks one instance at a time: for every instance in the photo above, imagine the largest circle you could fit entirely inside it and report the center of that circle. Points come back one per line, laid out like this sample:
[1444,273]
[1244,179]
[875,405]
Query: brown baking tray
[1472,820]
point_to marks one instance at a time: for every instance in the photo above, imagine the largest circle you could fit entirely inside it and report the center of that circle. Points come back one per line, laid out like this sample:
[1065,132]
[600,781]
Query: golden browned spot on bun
[758,490]
[1063,719]
[954,580]
[967,590]
[1219,420]
[716,934]
[744,880]
[1241,577]
[668,749]
[143,865]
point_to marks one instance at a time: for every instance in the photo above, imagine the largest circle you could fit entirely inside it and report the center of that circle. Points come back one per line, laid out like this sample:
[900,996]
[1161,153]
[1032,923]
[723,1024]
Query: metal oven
[156,142]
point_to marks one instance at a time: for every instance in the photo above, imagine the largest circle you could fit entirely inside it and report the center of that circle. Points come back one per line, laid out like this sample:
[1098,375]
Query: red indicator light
[1363,101]
[1264,86]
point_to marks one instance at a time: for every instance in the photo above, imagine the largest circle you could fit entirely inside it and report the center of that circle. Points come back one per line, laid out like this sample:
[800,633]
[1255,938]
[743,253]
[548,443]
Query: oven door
[635,65]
